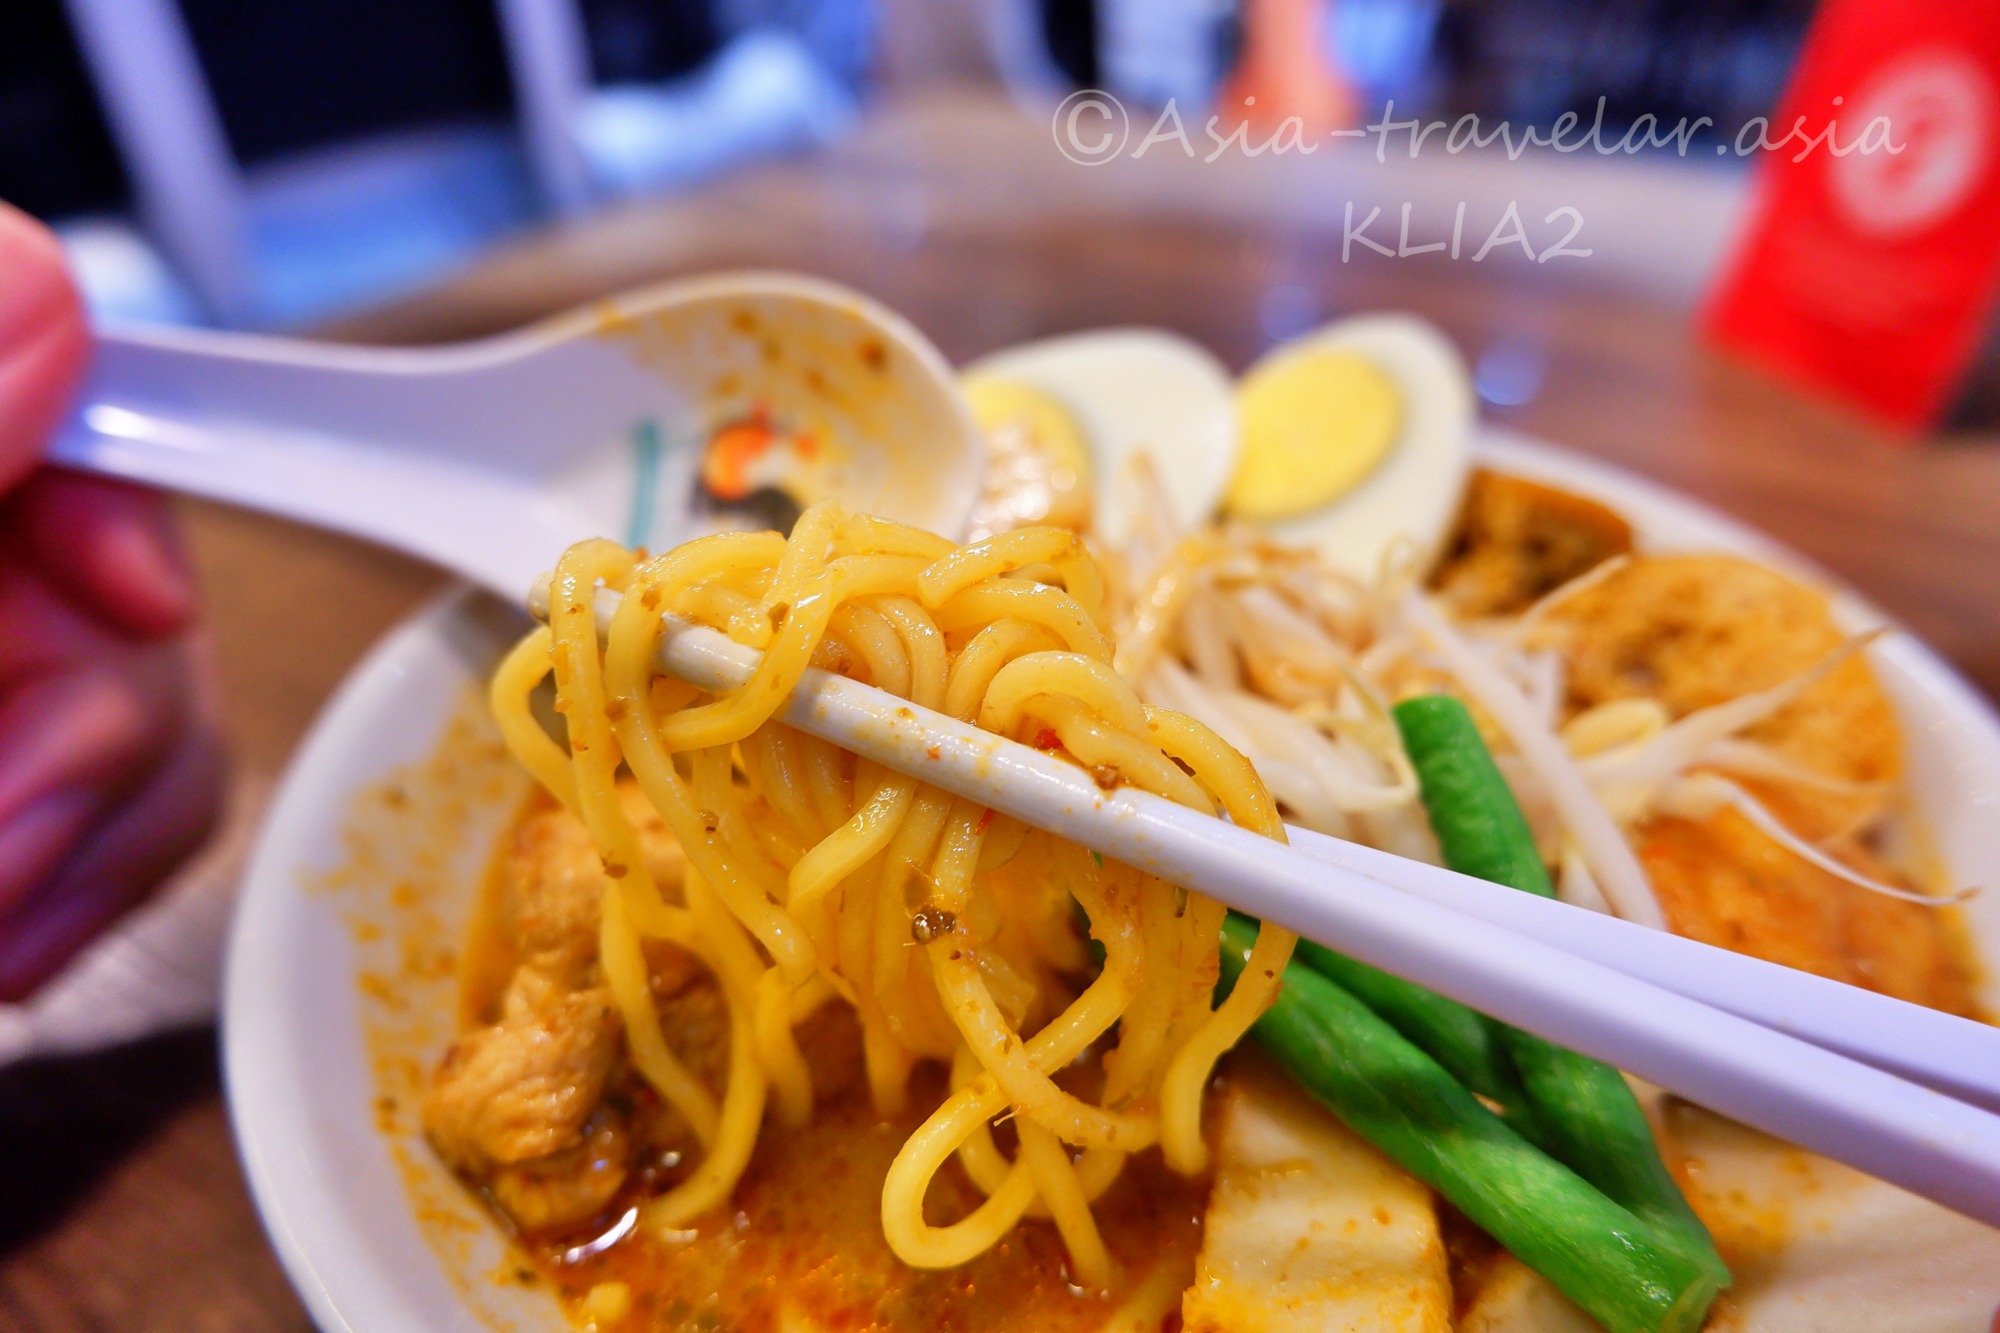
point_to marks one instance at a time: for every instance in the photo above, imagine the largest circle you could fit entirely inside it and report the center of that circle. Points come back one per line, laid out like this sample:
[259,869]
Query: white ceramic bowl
[311,1037]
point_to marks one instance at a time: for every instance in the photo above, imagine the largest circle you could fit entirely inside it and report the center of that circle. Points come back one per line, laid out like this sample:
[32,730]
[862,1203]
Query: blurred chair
[549,55]
[841,34]
[1156,51]
[1385,47]
[189,193]
[766,92]
[969,43]
[289,242]
[761,96]
[123,277]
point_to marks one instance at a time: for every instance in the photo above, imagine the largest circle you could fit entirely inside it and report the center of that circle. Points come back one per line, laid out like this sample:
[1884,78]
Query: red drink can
[1872,258]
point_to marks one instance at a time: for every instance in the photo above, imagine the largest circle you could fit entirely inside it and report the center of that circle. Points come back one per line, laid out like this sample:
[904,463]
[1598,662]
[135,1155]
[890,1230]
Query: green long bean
[1585,1112]
[1610,1263]
[1463,1040]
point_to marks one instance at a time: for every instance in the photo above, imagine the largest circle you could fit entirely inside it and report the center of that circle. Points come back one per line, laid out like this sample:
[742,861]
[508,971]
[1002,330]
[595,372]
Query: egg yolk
[1038,468]
[1313,426]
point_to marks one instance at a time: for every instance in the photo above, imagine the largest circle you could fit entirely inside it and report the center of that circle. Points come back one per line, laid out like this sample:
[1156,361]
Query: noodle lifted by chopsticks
[814,875]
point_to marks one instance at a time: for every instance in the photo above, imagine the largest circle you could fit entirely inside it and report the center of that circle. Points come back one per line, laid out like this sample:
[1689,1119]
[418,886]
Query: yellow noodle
[1230,776]
[1093,684]
[828,785]
[987,1166]
[625,974]
[1157,1296]
[880,536]
[1036,603]
[780,781]
[735,1136]
[924,644]
[990,649]
[814,877]
[520,673]
[778,1050]
[1055,1180]
[999,1048]
[915,1241]
[627,666]
[1011,551]
[869,637]
[843,852]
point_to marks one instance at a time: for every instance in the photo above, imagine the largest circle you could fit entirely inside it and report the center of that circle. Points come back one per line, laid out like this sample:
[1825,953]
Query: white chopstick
[1956,1056]
[1891,1128]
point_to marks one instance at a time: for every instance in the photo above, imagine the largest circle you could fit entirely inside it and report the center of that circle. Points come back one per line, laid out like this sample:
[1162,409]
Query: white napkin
[158,969]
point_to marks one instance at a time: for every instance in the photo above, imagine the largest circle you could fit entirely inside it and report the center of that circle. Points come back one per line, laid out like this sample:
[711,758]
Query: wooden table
[121,1205]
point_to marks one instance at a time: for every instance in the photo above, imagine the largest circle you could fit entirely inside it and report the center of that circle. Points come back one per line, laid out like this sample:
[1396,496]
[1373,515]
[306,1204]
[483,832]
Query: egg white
[1136,391]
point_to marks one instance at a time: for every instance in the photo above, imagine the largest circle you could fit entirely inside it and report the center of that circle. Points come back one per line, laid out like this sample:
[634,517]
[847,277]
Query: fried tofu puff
[1691,631]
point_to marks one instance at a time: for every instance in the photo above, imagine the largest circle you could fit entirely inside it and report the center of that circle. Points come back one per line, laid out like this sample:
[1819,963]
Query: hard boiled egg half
[1353,439]
[1066,419]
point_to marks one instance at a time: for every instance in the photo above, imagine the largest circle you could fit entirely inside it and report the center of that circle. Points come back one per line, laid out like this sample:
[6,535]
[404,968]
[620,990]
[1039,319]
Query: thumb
[44,342]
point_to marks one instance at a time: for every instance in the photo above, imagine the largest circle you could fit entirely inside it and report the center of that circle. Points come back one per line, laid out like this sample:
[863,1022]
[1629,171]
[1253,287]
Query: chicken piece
[555,885]
[1518,540]
[1723,881]
[516,1104]
[665,861]
[1695,630]
[570,1186]
[554,890]
[1308,1227]
[522,1088]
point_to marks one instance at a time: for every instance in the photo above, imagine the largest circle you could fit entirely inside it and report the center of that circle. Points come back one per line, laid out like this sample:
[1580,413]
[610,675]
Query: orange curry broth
[805,1234]
[803,1230]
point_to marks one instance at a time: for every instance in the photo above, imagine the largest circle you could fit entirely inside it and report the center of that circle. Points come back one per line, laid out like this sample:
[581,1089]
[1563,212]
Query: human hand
[110,771]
